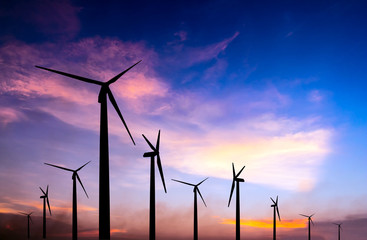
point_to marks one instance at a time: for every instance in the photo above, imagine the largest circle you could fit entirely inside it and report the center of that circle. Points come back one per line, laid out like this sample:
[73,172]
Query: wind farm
[153,91]
[104,176]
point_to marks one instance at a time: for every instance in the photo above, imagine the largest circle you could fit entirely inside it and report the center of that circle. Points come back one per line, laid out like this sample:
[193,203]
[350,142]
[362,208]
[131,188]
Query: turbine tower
[339,228]
[196,190]
[276,211]
[309,224]
[29,219]
[45,199]
[104,172]
[237,180]
[152,182]
[75,212]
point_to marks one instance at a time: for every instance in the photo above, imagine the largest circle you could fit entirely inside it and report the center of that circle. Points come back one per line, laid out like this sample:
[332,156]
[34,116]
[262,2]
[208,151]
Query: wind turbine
[237,180]
[196,190]
[339,228]
[104,172]
[45,198]
[309,224]
[276,211]
[152,182]
[29,219]
[74,177]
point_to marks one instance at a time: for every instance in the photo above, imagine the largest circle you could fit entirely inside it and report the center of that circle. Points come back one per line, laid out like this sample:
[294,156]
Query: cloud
[8,115]
[202,54]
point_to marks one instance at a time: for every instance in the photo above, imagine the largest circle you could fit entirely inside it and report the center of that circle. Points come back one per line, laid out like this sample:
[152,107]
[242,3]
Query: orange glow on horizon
[297,223]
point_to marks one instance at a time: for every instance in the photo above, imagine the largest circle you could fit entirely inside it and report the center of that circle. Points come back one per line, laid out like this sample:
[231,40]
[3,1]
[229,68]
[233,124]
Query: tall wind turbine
[104,172]
[29,219]
[237,180]
[276,211]
[152,182]
[45,199]
[309,224]
[196,190]
[74,177]
[339,228]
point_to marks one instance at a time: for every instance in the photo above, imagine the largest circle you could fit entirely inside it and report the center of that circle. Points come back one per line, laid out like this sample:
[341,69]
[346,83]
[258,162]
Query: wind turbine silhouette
[75,211]
[104,172]
[45,198]
[152,182]
[339,228]
[237,180]
[309,224]
[276,211]
[196,190]
[29,219]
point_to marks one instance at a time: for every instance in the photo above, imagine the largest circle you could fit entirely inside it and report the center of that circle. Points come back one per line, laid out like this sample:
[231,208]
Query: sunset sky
[277,86]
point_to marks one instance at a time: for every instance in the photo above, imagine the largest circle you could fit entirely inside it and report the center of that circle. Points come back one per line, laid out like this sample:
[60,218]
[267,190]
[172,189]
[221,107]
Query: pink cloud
[9,115]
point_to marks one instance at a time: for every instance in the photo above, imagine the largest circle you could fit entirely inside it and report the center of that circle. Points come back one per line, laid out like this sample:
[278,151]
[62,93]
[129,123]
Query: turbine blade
[82,166]
[304,215]
[238,174]
[30,214]
[201,196]
[312,215]
[201,181]
[88,80]
[80,181]
[230,196]
[30,218]
[234,172]
[63,168]
[115,78]
[161,171]
[311,222]
[42,191]
[47,191]
[272,200]
[278,212]
[158,140]
[23,213]
[183,182]
[150,145]
[113,101]
[276,202]
[48,204]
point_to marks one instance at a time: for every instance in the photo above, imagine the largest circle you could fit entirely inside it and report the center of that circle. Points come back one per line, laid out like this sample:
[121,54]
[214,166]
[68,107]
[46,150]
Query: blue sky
[276,86]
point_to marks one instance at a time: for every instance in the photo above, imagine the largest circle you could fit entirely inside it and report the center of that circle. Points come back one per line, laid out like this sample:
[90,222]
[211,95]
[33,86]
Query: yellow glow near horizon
[297,223]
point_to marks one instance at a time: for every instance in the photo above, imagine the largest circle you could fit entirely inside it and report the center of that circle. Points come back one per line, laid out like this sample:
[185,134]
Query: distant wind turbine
[309,224]
[196,190]
[28,219]
[45,199]
[339,228]
[237,180]
[276,211]
[104,172]
[152,182]
[75,212]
